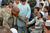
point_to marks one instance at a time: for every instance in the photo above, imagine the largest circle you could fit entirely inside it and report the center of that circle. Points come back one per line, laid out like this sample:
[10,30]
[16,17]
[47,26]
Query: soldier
[8,18]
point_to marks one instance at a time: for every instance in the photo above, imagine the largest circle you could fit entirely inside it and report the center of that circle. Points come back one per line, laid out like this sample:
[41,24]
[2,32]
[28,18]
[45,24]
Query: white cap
[47,23]
[13,30]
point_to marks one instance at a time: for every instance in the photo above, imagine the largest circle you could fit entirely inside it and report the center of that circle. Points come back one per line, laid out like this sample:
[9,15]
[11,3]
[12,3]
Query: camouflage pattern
[8,20]
[6,14]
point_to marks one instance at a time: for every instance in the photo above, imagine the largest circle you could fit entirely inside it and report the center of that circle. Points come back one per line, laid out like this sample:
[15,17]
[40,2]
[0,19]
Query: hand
[32,27]
[25,18]
[26,25]
[42,24]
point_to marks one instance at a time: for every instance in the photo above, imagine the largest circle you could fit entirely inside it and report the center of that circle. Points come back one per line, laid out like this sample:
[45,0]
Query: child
[47,25]
[41,7]
[36,10]
[38,24]
[16,2]
[4,5]
[45,13]
[33,15]
[25,12]
[10,5]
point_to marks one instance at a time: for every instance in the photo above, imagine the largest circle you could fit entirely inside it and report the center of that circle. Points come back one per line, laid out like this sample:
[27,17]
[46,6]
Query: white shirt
[46,3]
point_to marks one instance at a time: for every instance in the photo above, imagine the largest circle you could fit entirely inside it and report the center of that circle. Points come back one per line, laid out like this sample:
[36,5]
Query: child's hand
[42,24]
[32,27]
[26,25]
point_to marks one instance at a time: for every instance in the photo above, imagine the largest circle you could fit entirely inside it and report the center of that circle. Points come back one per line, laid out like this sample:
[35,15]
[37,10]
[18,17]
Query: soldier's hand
[32,27]
[25,18]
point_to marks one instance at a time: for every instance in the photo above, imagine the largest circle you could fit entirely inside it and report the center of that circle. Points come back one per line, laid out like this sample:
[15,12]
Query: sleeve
[20,18]
[29,11]
[31,22]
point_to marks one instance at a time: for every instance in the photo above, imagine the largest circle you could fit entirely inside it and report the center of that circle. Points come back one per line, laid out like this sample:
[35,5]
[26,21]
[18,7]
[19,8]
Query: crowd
[20,14]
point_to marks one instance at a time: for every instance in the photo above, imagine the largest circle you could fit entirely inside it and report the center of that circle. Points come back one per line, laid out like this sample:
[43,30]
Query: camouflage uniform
[8,18]
[6,14]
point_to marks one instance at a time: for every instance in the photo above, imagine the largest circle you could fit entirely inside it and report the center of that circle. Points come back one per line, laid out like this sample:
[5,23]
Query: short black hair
[4,4]
[47,7]
[23,0]
[37,8]
[49,13]
[41,14]
[42,4]
[10,2]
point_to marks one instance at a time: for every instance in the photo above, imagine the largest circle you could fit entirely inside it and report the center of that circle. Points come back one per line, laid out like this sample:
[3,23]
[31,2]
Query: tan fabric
[6,14]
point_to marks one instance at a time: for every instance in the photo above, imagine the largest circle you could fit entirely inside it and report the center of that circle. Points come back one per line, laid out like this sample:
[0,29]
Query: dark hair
[41,14]
[10,2]
[23,0]
[4,4]
[49,13]
[46,7]
[37,8]
[42,4]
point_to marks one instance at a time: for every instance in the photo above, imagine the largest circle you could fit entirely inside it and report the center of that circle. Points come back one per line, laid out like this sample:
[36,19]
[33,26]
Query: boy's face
[40,6]
[17,1]
[39,15]
[35,11]
[23,3]
[45,10]
[10,4]
[48,17]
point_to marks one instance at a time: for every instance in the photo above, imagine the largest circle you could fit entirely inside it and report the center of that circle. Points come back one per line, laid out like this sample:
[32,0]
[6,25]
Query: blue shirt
[25,11]
[0,2]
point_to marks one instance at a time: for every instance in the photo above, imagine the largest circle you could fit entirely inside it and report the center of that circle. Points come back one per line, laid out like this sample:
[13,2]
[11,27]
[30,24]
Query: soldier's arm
[20,18]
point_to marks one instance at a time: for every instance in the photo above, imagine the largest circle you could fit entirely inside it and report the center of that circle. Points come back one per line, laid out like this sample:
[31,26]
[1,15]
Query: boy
[4,5]
[25,12]
[16,2]
[10,5]
[47,25]
[45,13]
[41,7]
[36,10]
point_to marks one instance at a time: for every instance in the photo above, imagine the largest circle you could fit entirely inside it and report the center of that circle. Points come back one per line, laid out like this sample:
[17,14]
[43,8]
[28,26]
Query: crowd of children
[21,12]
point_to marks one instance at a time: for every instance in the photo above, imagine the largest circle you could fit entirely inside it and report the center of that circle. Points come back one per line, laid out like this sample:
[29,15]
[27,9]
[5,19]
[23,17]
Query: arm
[28,11]
[31,22]
[20,18]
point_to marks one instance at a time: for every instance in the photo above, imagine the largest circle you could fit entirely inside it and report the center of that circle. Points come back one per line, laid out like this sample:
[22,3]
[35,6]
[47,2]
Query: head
[17,1]
[48,16]
[23,2]
[40,0]
[36,10]
[46,8]
[15,11]
[40,15]
[4,5]
[10,4]
[4,30]
[41,5]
